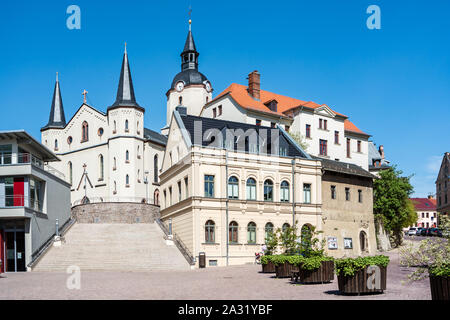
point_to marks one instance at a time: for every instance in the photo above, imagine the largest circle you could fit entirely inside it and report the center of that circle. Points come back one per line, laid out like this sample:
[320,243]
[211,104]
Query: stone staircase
[113,247]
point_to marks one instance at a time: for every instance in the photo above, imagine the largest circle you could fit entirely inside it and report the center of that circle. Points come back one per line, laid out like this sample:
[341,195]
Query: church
[112,157]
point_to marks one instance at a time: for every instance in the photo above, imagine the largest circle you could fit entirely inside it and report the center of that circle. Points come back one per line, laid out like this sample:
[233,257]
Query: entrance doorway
[14,248]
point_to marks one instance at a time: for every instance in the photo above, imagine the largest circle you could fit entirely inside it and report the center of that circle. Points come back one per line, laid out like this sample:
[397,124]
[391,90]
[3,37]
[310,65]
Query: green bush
[266,259]
[441,271]
[349,266]
[311,263]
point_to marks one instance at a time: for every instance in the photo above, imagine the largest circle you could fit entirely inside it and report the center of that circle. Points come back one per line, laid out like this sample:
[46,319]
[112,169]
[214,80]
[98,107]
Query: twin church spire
[57,118]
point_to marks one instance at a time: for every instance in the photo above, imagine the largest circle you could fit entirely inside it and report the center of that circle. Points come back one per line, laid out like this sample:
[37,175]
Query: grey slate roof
[374,155]
[344,167]
[57,118]
[125,91]
[155,137]
[189,45]
[189,76]
[209,123]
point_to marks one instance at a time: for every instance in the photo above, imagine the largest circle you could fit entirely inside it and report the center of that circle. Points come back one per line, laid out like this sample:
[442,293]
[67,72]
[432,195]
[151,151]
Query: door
[15,251]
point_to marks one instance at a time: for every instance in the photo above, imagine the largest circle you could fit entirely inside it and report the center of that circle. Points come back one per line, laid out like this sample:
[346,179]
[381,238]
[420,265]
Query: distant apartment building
[33,196]
[426,212]
[443,186]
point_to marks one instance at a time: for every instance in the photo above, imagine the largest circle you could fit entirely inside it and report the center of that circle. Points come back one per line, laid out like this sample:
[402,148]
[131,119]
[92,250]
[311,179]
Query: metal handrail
[28,158]
[20,201]
[178,242]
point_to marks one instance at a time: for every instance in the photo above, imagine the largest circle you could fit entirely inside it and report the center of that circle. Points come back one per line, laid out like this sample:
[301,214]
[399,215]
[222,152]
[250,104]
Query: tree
[300,139]
[392,206]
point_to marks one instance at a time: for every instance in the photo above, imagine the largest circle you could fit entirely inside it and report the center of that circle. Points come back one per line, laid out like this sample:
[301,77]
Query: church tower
[189,88]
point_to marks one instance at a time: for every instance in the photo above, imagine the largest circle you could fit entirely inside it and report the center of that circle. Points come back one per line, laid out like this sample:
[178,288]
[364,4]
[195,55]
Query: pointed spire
[125,91]
[57,118]
[189,56]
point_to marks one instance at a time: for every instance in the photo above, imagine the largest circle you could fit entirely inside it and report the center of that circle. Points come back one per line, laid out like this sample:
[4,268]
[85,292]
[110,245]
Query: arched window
[84,132]
[114,164]
[268,230]
[101,166]
[233,232]
[209,231]
[127,156]
[126,126]
[284,191]
[233,188]
[251,233]
[139,176]
[363,241]
[155,169]
[180,101]
[56,144]
[268,190]
[127,180]
[285,227]
[138,152]
[115,188]
[251,189]
[156,197]
[70,173]
[114,126]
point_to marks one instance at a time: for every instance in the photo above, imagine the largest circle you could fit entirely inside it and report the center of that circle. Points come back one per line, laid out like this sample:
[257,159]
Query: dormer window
[272,105]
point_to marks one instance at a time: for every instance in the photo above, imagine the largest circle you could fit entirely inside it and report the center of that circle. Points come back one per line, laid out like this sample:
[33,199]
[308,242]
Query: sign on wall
[348,243]
[332,243]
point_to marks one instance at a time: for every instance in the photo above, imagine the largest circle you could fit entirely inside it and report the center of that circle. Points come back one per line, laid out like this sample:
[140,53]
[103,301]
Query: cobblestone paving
[235,282]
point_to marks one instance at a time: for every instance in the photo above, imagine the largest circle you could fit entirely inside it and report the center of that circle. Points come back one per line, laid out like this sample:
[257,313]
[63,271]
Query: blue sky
[394,83]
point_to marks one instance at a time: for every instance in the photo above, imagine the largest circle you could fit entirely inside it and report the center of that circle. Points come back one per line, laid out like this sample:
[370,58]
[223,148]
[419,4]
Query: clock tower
[189,88]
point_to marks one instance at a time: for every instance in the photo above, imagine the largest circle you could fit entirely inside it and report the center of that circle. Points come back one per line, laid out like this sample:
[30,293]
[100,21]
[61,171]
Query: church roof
[125,91]
[189,76]
[189,45]
[57,118]
[155,137]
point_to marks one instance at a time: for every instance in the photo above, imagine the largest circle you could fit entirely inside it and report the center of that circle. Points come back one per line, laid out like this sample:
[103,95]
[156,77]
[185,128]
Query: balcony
[15,159]
[20,201]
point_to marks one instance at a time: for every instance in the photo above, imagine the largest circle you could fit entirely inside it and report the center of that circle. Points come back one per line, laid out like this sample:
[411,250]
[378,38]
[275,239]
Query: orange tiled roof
[240,94]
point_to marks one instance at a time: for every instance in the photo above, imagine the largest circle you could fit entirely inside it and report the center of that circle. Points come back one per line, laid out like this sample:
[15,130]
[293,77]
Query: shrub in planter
[315,269]
[284,265]
[267,264]
[432,258]
[362,274]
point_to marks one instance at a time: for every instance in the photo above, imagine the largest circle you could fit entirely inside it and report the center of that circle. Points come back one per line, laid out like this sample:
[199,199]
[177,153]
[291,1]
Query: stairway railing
[178,242]
[39,253]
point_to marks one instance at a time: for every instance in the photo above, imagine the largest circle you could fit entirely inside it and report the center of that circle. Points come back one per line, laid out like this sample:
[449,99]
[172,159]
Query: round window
[100,131]
[69,140]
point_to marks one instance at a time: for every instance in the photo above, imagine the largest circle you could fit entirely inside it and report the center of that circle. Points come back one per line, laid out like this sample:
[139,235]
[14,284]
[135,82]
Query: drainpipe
[226,201]
[293,192]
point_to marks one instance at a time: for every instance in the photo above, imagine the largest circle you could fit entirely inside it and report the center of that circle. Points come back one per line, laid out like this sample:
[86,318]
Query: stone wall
[115,212]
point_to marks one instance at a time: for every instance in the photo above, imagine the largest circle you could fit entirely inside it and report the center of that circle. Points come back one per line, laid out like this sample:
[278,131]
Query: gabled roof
[344,167]
[350,127]
[155,137]
[424,204]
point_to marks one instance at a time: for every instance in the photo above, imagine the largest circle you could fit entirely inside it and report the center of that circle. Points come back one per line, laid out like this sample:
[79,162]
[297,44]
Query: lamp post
[146,185]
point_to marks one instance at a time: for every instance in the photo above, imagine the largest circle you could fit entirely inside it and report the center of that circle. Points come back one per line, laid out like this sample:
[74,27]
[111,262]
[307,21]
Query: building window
[170,196]
[308,131]
[268,190]
[284,188]
[233,188]
[100,132]
[320,123]
[56,144]
[114,127]
[209,186]
[115,188]
[268,230]
[323,147]
[214,112]
[70,173]
[127,156]
[360,196]
[251,189]
[333,192]
[179,191]
[336,137]
[347,194]
[233,232]
[186,186]
[101,167]
[84,132]
[258,122]
[114,164]
[219,110]
[285,227]
[180,101]
[307,193]
[325,127]
[155,168]
[126,126]
[359,146]
[251,233]
[273,125]
[348,147]
[127,180]
[209,231]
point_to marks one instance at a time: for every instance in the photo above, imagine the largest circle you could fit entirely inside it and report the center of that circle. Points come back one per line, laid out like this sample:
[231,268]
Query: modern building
[106,157]
[34,198]
[426,212]
[443,186]
[327,133]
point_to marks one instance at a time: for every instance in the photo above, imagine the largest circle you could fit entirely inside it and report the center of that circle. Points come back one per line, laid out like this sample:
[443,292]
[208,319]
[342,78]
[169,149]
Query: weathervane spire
[190,20]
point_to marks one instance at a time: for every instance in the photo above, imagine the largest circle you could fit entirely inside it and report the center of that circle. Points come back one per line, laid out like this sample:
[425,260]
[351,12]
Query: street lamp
[146,184]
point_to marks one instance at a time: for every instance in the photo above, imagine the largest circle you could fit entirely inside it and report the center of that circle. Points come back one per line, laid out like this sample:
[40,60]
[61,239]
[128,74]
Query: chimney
[430,196]
[254,84]
[381,150]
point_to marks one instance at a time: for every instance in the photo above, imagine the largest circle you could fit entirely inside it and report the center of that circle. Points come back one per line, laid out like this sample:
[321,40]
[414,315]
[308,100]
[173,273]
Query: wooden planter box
[440,288]
[358,282]
[325,273]
[285,270]
[268,268]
